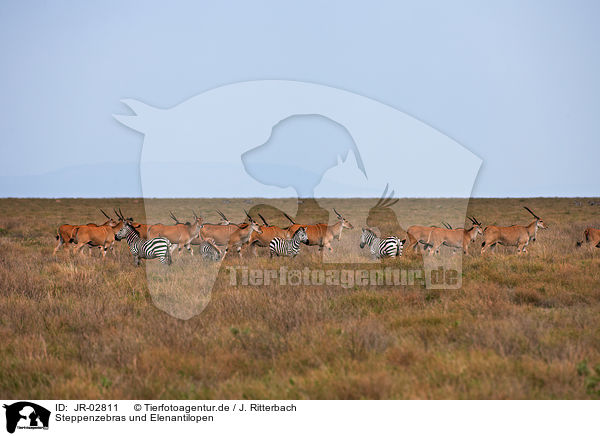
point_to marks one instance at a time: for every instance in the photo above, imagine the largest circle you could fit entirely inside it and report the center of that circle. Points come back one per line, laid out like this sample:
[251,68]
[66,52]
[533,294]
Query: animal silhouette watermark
[257,140]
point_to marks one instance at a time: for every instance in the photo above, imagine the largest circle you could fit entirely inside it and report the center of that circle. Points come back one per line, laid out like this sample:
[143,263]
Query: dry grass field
[521,327]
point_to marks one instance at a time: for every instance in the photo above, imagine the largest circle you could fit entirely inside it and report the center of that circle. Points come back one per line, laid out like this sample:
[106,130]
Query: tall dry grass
[83,327]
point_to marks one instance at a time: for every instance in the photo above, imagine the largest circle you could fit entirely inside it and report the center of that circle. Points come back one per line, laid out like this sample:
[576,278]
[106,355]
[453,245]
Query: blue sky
[515,82]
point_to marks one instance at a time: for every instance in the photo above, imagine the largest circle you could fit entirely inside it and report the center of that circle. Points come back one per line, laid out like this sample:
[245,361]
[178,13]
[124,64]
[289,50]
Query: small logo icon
[26,415]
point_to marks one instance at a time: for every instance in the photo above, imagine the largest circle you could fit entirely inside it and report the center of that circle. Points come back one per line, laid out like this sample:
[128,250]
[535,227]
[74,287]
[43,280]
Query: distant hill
[99,180]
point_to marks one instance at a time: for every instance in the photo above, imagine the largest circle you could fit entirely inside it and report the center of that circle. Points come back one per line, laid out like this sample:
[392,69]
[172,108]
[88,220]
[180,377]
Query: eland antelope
[513,236]
[64,234]
[180,234]
[454,238]
[592,237]
[322,234]
[242,235]
[266,235]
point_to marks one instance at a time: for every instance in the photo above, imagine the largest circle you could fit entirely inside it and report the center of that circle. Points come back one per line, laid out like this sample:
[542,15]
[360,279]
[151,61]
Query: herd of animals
[158,241]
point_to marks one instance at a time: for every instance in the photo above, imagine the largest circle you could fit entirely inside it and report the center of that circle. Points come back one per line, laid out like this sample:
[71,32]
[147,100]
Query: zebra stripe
[155,248]
[386,247]
[210,251]
[284,247]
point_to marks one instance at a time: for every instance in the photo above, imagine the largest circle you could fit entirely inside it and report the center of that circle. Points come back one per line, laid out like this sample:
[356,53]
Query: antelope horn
[472,220]
[222,216]
[288,217]
[104,213]
[116,213]
[448,226]
[476,221]
[390,202]
[263,220]
[173,217]
[249,217]
[380,201]
[194,212]
[529,210]
[337,213]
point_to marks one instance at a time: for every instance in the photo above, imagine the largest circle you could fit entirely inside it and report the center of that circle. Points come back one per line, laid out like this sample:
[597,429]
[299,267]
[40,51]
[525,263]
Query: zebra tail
[400,246]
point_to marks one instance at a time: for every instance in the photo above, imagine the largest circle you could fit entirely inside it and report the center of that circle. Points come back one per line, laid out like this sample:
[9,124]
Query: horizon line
[294,198]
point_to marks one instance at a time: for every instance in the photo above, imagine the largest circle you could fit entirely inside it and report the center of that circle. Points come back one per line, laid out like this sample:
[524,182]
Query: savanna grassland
[85,327]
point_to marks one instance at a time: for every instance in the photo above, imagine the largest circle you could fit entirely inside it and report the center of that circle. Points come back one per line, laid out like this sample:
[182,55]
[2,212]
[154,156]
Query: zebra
[288,247]
[386,247]
[145,248]
[209,250]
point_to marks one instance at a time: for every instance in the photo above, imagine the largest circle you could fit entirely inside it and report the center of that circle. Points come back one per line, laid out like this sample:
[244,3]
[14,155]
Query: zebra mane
[133,229]
[368,230]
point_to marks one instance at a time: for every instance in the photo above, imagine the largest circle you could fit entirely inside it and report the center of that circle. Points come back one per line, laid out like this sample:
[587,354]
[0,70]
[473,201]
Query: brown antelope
[418,235]
[180,235]
[64,233]
[242,235]
[266,235]
[322,234]
[96,236]
[220,233]
[454,238]
[592,236]
[513,236]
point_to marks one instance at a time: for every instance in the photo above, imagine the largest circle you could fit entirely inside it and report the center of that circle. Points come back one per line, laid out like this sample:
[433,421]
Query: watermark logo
[25,415]
[304,142]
